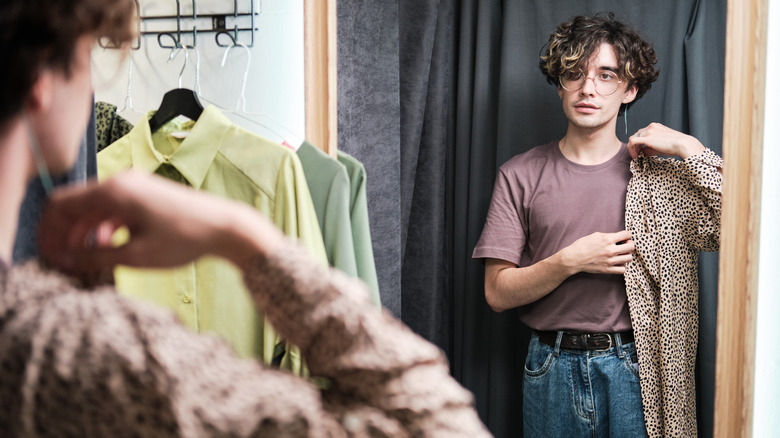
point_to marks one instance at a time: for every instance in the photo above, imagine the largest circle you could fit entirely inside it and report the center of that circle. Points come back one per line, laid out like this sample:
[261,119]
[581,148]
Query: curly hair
[41,34]
[573,43]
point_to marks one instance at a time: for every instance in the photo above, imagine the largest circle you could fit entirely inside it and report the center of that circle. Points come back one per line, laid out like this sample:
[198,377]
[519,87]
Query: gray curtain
[394,73]
[434,96]
[368,125]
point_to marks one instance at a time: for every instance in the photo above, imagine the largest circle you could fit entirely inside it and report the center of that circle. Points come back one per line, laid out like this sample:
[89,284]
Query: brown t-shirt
[543,202]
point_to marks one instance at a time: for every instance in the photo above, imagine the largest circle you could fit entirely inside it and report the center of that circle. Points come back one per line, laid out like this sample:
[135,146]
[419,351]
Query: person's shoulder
[531,159]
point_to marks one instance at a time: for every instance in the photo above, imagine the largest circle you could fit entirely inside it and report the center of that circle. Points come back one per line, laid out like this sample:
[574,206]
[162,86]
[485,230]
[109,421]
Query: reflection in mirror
[276,87]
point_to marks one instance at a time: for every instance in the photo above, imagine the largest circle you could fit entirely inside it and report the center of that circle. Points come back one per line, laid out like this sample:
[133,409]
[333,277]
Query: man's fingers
[626,247]
[621,260]
[616,270]
[620,237]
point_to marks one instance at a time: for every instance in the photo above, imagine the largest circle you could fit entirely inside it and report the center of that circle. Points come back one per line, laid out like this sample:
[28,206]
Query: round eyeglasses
[606,81]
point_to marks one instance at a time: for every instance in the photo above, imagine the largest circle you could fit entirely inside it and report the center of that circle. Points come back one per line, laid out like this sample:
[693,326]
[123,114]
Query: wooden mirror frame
[743,122]
[320,73]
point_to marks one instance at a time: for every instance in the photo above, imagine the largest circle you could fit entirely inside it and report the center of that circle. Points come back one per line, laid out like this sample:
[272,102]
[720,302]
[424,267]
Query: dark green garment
[361,232]
[109,126]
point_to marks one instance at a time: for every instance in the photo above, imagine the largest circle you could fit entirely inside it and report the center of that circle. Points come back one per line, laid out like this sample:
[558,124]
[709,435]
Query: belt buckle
[608,337]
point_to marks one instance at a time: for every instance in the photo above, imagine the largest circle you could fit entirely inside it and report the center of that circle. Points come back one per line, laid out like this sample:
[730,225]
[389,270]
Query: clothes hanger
[241,111]
[179,101]
[128,105]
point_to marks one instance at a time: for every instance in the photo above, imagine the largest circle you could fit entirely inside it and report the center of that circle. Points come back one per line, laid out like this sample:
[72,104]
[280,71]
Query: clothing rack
[232,24]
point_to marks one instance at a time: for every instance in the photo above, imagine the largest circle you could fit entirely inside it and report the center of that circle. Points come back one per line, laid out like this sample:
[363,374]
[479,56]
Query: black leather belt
[585,341]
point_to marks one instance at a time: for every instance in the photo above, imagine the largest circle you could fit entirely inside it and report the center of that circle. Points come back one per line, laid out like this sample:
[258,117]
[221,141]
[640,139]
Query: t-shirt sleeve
[505,232]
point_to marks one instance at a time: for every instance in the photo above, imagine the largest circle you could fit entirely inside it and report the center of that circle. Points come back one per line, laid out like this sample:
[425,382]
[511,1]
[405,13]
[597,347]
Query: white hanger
[241,111]
[128,104]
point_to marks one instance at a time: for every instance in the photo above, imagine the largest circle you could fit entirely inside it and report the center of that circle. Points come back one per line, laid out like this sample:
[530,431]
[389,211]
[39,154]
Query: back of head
[41,34]
[574,42]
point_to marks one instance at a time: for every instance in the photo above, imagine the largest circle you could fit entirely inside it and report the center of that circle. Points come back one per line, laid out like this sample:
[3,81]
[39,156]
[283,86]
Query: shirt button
[185,299]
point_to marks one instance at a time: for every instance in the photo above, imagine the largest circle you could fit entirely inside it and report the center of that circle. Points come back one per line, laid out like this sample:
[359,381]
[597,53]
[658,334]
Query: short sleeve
[505,232]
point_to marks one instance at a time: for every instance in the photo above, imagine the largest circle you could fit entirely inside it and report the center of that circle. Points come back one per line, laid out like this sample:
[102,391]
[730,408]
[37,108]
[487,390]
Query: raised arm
[700,174]
[382,376]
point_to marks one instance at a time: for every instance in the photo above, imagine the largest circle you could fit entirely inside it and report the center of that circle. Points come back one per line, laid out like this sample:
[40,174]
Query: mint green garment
[331,192]
[358,215]
[221,158]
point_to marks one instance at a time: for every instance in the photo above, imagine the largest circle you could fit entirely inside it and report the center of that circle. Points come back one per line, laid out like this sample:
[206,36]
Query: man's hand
[169,225]
[599,253]
[508,286]
[657,139]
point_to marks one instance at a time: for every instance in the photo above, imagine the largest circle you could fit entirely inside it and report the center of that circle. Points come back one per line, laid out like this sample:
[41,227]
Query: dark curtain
[434,96]
[504,107]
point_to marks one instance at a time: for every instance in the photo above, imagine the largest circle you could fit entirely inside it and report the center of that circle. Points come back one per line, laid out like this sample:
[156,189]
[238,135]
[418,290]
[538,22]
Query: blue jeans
[568,393]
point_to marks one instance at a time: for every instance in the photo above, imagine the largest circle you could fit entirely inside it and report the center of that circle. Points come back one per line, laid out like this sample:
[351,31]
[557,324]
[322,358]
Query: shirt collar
[194,154]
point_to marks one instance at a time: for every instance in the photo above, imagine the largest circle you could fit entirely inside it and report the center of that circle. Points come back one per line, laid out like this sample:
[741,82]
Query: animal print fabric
[109,126]
[673,213]
[77,363]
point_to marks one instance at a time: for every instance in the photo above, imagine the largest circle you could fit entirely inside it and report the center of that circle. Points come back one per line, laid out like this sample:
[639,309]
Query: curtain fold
[425,30]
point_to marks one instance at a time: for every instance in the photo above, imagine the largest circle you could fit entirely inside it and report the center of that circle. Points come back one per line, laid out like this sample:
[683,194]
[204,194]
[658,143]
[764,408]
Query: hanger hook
[128,99]
[186,59]
[197,69]
[229,35]
[241,104]
[175,44]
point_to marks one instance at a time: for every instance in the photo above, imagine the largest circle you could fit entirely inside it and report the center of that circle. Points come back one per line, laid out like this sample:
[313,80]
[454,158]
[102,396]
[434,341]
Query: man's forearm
[508,286]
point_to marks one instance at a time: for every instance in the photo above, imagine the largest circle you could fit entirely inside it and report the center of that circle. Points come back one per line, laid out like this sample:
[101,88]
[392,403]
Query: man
[77,363]
[555,241]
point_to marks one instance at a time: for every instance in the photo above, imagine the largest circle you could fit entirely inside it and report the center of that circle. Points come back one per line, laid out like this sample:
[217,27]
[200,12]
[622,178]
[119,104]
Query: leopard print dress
[673,213]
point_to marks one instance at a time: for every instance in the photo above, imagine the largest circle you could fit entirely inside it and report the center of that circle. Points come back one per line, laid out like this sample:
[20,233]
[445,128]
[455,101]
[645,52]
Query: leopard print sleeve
[402,381]
[702,171]
[76,363]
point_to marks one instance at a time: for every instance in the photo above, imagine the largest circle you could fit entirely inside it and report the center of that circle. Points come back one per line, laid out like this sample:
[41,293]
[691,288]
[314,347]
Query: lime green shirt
[217,156]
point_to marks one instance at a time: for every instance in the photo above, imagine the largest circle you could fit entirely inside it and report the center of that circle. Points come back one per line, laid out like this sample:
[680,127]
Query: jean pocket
[631,361]
[539,360]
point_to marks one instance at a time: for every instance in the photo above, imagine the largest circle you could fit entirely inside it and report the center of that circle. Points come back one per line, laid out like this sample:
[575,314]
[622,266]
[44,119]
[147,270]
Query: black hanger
[177,102]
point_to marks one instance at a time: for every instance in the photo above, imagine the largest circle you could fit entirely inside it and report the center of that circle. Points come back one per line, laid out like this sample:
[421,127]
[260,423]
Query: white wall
[275,86]
[766,397]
